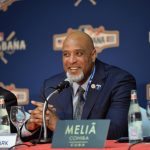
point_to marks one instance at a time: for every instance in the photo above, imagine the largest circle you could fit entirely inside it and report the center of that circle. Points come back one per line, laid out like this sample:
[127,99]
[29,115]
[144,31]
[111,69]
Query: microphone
[62,85]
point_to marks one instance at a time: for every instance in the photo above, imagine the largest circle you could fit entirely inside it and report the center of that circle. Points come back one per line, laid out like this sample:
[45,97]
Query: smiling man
[79,56]
[105,90]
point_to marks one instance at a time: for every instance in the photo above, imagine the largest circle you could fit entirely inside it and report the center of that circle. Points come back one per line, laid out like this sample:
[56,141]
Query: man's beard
[75,78]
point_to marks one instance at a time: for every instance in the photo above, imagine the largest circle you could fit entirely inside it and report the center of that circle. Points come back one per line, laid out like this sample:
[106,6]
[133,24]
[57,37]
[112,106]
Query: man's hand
[36,121]
[53,118]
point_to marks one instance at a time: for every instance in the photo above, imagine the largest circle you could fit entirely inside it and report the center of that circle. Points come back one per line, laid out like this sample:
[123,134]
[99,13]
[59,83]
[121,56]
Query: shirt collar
[75,86]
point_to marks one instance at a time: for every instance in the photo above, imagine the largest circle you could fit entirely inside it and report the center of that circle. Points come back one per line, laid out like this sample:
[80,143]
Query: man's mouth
[74,69]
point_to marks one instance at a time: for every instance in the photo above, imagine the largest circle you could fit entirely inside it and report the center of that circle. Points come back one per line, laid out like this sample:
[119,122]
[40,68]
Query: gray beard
[75,78]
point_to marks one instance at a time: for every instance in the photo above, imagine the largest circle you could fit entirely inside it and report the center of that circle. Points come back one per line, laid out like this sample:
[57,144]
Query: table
[110,145]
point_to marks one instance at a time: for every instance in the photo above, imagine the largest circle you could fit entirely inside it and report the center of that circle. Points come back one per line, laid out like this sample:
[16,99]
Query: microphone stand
[45,139]
[44,119]
[65,84]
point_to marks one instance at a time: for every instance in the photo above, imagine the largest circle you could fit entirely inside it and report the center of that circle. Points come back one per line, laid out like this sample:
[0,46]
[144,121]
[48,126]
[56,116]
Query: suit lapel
[94,89]
[67,103]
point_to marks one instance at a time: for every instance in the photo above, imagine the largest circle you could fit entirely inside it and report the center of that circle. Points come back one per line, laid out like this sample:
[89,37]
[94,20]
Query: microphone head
[69,80]
[64,84]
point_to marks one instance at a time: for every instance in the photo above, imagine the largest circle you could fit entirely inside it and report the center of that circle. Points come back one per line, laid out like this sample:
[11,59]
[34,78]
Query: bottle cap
[133,95]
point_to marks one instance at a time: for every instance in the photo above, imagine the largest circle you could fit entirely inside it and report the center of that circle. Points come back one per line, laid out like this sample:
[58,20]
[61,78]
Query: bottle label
[135,130]
[4,121]
[4,129]
[3,112]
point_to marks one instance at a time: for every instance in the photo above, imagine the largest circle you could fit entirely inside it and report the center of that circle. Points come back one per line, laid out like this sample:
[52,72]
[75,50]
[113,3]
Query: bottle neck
[2,103]
[134,101]
[2,106]
[134,96]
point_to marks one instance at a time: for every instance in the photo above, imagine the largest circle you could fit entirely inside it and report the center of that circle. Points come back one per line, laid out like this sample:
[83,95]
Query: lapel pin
[98,86]
[93,86]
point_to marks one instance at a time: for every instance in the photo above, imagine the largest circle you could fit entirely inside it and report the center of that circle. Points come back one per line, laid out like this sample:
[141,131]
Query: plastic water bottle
[4,118]
[134,120]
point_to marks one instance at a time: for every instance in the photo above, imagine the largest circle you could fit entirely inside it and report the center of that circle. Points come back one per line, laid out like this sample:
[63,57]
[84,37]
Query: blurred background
[28,27]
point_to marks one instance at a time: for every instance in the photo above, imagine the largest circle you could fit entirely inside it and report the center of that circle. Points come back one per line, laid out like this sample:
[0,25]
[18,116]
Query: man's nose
[72,59]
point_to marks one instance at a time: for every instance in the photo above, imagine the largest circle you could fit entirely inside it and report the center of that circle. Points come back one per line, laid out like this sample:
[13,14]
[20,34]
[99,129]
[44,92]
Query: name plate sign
[7,140]
[80,133]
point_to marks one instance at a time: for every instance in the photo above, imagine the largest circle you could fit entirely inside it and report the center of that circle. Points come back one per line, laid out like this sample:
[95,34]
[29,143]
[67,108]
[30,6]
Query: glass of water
[17,117]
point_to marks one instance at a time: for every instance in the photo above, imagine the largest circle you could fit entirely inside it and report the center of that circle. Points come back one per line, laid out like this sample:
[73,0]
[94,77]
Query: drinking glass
[148,109]
[17,117]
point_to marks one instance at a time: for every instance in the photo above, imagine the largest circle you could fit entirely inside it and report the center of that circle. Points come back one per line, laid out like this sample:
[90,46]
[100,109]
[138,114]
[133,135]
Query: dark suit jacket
[10,100]
[110,101]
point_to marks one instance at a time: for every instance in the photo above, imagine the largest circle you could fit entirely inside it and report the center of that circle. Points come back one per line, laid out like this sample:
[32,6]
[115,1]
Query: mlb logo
[1,36]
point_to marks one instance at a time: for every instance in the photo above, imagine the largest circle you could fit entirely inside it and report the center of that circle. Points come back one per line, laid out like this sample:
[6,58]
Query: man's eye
[66,54]
[79,53]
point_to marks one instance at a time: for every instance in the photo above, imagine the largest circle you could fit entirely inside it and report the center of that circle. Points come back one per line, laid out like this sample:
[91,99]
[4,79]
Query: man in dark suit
[107,89]
[10,100]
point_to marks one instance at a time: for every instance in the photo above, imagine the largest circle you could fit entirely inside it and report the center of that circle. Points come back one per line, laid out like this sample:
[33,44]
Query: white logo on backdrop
[5,3]
[102,38]
[9,45]
[77,2]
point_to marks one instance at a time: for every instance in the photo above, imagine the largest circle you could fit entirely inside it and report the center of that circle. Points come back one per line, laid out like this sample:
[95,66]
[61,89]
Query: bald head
[81,38]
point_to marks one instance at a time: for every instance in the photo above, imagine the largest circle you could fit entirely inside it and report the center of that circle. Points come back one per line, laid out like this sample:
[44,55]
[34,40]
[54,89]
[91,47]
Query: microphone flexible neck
[44,112]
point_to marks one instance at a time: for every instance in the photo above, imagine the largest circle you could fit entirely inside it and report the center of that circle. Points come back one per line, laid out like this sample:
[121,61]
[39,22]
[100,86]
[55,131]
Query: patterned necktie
[80,104]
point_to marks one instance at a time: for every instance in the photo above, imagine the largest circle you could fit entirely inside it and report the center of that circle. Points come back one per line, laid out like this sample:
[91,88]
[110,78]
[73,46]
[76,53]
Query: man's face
[78,59]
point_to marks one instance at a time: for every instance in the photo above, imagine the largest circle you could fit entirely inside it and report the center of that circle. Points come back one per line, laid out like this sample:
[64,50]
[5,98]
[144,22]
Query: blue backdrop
[36,21]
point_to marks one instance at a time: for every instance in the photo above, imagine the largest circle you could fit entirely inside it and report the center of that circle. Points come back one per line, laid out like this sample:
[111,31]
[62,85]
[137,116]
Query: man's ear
[94,55]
